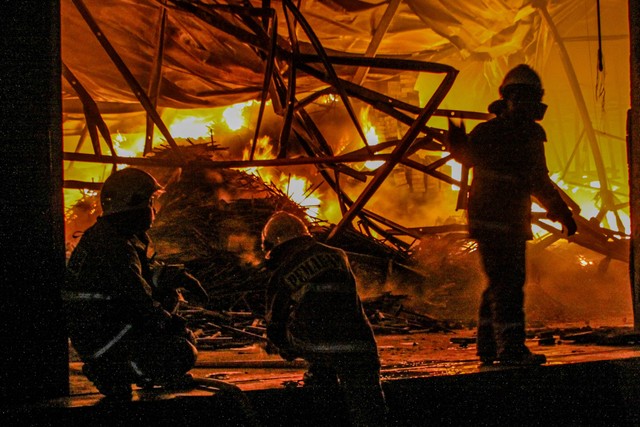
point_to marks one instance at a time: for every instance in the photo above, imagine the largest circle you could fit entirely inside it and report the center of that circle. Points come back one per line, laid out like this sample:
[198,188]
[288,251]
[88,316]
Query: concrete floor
[428,379]
[417,355]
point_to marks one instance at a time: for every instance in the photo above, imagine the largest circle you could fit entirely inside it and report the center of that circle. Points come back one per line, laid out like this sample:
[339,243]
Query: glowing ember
[583,261]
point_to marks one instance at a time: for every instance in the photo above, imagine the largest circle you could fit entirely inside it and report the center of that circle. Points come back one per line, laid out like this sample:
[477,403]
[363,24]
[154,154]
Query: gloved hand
[569,224]
[179,328]
[457,134]
[457,143]
[286,352]
[168,277]
[565,218]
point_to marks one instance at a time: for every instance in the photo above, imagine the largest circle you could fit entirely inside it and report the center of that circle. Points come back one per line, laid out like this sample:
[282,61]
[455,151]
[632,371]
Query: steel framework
[283,63]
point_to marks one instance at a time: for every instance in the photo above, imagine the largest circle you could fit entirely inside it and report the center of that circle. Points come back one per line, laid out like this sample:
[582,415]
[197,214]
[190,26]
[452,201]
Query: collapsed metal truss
[257,27]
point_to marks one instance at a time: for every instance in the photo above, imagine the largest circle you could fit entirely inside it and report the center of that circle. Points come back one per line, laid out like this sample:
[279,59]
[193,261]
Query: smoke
[566,283]
[569,283]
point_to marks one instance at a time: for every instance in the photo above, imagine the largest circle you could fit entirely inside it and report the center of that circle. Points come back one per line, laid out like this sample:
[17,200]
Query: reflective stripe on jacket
[106,295]
[312,301]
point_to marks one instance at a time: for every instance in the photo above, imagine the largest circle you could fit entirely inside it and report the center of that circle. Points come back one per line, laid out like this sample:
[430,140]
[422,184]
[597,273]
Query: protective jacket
[509,167]
[107,293]
[312,303]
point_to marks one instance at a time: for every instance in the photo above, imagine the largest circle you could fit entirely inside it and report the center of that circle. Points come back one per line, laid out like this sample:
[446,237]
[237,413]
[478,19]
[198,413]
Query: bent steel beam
[398,153]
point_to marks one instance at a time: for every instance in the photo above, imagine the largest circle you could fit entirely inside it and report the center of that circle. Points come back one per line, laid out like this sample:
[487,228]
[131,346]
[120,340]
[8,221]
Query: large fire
[407,197]
[196,125]
[297,188]
[208,124]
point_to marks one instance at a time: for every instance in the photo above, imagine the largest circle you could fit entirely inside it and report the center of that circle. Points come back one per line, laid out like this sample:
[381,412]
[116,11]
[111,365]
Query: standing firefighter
[117,324]
[314,312]
[507,154]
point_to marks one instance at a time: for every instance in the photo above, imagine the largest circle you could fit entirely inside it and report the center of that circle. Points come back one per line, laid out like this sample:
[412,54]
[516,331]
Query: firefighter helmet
[282,227]
[521,77]
[126,190]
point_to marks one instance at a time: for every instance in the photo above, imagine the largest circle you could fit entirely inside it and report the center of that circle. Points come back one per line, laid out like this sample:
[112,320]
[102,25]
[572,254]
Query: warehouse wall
[32,336]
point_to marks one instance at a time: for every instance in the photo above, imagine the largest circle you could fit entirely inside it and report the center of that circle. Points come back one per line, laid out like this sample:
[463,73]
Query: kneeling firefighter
[120,320]
[314,312]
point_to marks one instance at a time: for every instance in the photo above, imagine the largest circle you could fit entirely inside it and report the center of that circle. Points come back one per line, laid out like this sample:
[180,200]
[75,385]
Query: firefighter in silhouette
[120,311]
[314,312]
[509,166]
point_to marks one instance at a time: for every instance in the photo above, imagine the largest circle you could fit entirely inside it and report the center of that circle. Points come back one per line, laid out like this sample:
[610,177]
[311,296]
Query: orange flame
[295,187]
[371,136]
[201,124]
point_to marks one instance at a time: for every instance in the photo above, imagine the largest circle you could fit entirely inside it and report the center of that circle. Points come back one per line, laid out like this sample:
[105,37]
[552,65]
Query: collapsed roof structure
[122,59]
[320,75]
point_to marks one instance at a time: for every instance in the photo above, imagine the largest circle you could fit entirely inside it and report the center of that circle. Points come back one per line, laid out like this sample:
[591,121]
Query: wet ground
[428,379]
[417,355]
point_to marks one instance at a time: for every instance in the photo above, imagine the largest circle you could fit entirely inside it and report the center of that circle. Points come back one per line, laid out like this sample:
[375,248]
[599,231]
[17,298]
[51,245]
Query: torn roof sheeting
[201,65]
[204,66]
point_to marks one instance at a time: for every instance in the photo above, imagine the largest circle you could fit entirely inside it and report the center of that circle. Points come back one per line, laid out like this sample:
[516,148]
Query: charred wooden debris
[211,222]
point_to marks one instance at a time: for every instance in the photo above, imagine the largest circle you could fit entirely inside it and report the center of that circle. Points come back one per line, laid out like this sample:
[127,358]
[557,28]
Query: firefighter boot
[320,375]
[525,358]
[487,348]
[512,350]
[107,380]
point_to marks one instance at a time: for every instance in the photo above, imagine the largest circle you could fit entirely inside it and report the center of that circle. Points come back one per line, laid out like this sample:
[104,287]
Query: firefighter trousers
[501,322]
[358,378]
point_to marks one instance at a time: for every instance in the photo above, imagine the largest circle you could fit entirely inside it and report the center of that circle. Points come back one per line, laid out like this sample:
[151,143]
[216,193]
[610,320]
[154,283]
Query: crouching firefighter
[314,312]
[122,332]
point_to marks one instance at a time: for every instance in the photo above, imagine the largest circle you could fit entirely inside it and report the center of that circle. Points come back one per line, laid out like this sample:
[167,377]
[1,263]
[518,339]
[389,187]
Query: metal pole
[633,147]
[155,79]
[378,35]
[222,164]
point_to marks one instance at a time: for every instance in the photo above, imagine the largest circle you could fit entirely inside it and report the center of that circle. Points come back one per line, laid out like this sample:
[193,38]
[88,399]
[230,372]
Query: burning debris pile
[210,221]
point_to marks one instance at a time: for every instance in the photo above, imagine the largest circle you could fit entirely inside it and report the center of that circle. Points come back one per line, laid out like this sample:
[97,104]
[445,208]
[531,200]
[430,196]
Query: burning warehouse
[343,114]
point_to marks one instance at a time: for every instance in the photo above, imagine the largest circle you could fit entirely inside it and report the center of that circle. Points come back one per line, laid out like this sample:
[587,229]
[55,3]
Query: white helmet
[281,227]
[126,190]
